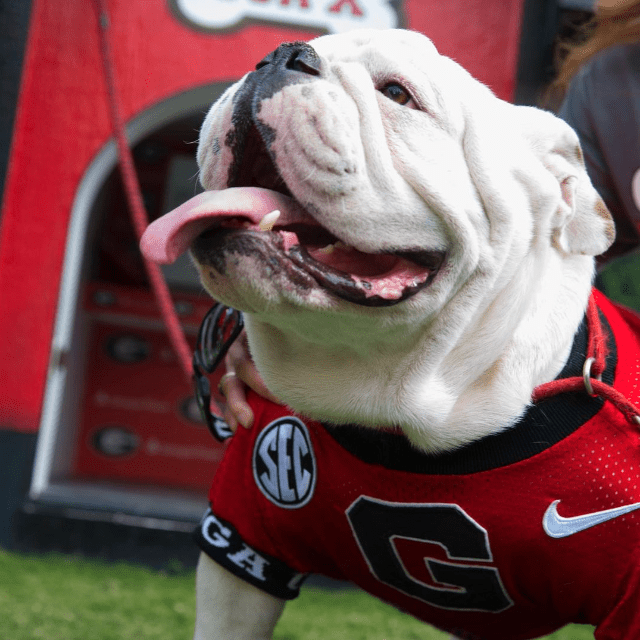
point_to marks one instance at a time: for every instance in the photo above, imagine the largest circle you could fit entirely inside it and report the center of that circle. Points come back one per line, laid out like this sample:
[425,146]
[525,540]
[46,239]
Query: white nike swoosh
[558,527]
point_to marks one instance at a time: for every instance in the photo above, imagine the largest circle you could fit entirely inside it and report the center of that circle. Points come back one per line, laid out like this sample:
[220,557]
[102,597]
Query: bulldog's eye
[397,93]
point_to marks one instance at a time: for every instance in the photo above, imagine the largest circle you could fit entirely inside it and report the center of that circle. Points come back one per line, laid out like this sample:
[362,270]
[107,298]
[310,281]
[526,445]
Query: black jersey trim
[221,541]
[543,425]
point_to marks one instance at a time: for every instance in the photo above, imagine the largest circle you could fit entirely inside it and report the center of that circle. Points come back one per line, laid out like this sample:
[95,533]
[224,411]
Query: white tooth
[328,249]
[266,224]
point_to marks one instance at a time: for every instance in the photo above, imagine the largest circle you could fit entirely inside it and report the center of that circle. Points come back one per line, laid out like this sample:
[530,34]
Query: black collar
[543,425]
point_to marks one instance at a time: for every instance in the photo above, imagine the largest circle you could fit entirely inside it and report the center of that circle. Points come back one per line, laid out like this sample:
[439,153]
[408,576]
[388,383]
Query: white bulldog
[410,251]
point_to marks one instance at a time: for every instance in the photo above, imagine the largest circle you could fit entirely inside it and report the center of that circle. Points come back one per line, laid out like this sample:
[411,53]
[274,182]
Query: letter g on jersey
[284,466]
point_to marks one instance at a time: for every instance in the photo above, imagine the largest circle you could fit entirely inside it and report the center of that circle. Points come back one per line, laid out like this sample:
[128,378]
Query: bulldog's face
[335,127]
[366,174]
[398,179]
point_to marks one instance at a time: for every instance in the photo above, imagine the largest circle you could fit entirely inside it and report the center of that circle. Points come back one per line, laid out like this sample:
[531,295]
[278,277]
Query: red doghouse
[87,375]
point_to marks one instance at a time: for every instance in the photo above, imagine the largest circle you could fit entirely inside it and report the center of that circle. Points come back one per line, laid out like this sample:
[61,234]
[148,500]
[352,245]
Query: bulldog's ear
[582,223]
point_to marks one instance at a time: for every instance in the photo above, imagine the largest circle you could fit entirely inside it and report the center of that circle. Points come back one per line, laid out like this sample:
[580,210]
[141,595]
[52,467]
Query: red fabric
[591,576]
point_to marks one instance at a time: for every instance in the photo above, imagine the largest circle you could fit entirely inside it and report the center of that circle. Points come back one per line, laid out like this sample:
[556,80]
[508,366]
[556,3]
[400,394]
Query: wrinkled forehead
[376,46]
[407,57]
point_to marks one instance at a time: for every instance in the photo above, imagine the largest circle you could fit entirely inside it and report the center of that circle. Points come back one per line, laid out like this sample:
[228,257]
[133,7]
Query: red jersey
[509,537]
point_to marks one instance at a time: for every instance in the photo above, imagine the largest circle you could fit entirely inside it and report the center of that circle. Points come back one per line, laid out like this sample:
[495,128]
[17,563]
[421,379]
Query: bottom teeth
[330,248]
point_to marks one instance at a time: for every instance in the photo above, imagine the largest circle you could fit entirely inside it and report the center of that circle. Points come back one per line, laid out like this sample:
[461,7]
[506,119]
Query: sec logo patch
[284,466]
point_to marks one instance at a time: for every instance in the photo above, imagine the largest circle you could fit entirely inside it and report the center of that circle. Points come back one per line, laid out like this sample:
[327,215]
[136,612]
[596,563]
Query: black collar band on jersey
[544,424]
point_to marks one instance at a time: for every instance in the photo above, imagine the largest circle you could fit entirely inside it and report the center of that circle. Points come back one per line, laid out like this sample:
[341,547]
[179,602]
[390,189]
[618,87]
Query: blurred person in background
[598,90]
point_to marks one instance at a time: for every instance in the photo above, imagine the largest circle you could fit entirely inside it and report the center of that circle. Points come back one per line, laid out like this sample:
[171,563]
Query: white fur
[502,188]
[228,608]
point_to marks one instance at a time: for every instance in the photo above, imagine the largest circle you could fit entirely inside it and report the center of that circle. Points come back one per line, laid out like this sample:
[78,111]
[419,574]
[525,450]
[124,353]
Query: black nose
[294,56]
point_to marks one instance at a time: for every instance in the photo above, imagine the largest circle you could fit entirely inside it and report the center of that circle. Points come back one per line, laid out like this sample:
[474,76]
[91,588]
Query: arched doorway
[120,430]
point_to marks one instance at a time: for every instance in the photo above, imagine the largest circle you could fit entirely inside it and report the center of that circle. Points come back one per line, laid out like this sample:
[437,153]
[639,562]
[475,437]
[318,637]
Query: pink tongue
[171,235]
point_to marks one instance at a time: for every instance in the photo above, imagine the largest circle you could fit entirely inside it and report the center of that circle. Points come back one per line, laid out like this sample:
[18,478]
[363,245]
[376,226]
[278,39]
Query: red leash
[134,199]
[594,366]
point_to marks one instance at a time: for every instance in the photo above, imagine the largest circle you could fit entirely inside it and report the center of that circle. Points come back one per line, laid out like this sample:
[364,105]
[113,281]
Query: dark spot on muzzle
[291,63]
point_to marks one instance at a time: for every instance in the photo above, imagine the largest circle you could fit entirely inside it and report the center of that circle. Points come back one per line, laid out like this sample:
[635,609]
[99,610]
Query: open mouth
[257,214]
[363,278]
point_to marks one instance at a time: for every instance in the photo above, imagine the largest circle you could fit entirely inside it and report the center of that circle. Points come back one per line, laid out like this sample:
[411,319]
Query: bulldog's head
[366,168]
[364,175]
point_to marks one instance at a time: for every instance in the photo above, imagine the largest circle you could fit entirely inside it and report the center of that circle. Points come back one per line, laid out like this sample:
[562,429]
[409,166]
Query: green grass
[57,597]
